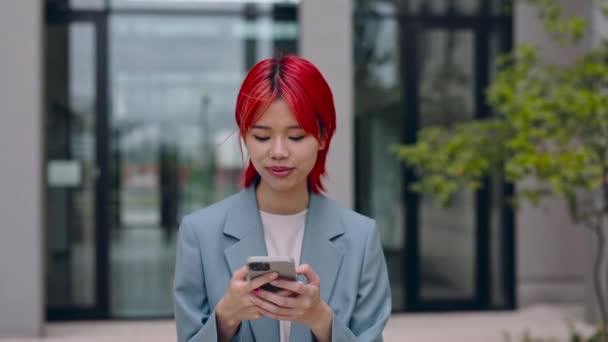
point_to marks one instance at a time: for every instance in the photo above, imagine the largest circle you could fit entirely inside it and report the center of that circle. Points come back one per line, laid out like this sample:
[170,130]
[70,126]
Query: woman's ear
[322,144]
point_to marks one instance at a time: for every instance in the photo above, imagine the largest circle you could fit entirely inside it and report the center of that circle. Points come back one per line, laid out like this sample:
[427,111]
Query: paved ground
[541,321]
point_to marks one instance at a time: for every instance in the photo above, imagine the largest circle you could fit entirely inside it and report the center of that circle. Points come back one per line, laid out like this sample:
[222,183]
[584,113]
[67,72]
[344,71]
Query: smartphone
[283,265]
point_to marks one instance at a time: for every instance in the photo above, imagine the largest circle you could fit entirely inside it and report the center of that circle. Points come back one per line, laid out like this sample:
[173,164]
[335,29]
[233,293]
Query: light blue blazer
[342,246]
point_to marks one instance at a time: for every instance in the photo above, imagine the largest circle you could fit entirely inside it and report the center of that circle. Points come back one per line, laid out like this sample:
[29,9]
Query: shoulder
[353,222]
[213,215]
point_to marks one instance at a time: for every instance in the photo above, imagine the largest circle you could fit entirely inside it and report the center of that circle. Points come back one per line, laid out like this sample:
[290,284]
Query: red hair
[300,84]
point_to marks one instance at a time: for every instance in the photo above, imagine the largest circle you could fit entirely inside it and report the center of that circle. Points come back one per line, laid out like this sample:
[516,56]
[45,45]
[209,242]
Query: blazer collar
[323,225]
[244,215]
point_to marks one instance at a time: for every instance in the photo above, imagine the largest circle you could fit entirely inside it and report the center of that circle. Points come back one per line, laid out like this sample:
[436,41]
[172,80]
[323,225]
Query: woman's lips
[279,171]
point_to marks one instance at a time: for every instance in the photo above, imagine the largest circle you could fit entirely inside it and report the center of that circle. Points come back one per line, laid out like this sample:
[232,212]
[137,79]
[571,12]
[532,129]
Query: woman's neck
[282,202]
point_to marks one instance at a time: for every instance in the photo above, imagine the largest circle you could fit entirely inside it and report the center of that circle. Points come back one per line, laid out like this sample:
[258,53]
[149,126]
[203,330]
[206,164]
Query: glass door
[74,167]
[140,131]
[447,236]
[174,78]
[448,248]
[419,64]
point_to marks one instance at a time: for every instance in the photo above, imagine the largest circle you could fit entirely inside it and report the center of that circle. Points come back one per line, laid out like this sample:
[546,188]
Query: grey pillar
[21,170]
[326,40]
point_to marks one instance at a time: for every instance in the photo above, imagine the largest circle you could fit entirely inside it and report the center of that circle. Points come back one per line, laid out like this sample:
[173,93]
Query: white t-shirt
[283,235]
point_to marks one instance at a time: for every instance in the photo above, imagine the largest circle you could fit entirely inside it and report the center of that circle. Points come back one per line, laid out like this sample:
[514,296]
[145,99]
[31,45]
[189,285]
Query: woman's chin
[281,185]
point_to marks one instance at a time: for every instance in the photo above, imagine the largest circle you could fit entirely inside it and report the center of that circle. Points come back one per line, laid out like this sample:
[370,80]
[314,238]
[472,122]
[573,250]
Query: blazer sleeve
[195,320]
[373,306]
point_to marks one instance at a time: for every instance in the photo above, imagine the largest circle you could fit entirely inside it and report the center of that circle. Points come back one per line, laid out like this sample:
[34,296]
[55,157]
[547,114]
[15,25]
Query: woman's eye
[258,138]
[297,138]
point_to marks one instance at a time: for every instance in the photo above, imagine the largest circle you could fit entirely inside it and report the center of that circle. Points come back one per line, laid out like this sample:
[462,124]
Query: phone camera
[259,266]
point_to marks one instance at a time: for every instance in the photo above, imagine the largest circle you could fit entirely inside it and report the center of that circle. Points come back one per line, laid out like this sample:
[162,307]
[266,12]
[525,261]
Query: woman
[286,117]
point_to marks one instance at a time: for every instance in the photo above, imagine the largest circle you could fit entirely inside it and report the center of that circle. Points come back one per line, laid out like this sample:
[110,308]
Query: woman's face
[281,151]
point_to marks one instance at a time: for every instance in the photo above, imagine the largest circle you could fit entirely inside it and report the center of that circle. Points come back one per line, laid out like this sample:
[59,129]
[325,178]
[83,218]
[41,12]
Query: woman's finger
[286,293]
[309,273]
[240,274]
[268,306]
[293,286]
[272,315]
[261,280]
[281,301]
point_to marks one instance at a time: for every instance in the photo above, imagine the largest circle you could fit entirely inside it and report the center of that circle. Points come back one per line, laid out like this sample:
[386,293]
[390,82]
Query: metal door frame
[101,220]
[480,26]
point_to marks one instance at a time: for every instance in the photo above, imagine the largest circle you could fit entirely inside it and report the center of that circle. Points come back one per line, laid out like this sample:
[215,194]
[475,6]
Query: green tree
[552,127]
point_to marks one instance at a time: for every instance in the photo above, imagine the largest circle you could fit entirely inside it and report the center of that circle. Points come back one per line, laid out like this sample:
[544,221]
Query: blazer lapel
[318,251]
[243,223]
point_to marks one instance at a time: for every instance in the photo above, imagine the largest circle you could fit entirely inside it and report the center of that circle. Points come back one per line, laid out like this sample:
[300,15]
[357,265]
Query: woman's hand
[305,307]
[236,305]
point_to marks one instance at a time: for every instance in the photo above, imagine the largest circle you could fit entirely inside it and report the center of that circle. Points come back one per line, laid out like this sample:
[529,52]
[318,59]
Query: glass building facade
[420,64]
[139,126]
[140,111]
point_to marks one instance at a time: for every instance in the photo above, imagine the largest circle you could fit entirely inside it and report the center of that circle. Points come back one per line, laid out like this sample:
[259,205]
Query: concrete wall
[21,216]
[326,39]
[550,250]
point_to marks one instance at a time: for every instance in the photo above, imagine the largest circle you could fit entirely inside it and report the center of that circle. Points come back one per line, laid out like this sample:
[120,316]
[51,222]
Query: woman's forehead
[277,115]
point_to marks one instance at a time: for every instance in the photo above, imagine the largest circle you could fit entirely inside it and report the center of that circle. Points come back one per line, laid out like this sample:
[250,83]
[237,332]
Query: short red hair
[300,84]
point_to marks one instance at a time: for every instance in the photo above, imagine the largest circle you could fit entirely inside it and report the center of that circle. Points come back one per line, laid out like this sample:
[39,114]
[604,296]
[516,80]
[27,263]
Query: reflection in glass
[385,7]
[447,77]
[447,236]
[424,7]
[377,66]
[444,7]
[175,149]
[434,7]
[501,7]
[378,126]
[71,165]
[222,5]
[87,4]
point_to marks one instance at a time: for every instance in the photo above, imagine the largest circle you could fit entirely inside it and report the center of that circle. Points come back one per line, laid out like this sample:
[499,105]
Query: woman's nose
[278,149]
